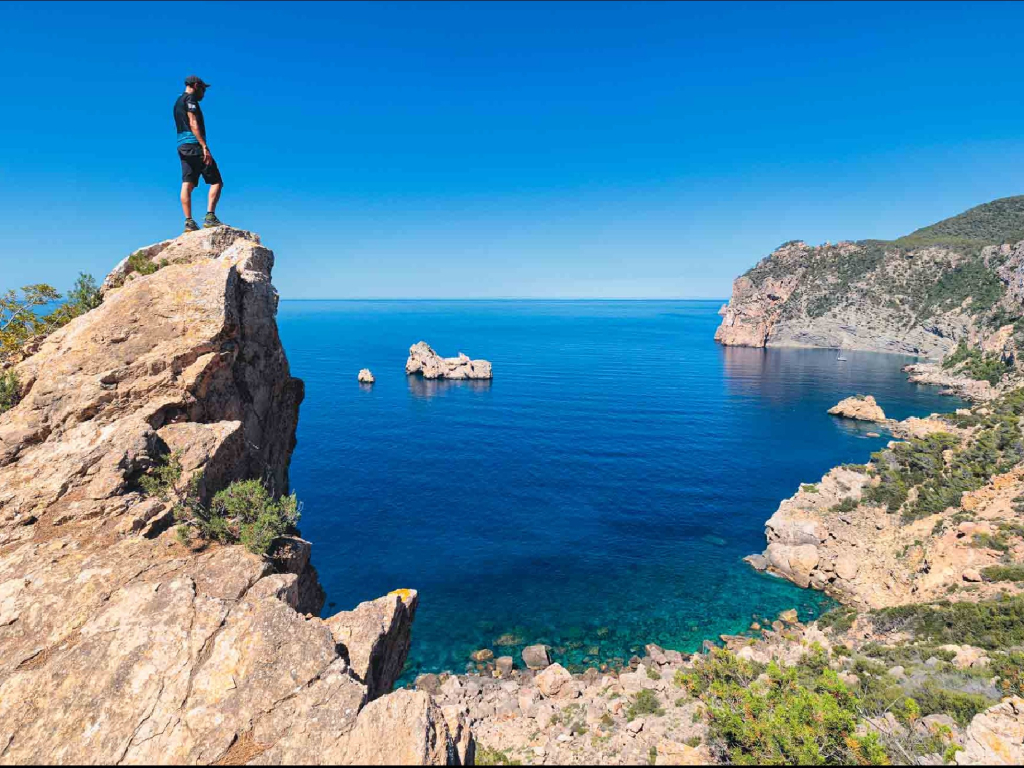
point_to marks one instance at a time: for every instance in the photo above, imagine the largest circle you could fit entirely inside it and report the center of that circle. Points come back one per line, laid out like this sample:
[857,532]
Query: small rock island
[858,407]
[426,362]
[365,376]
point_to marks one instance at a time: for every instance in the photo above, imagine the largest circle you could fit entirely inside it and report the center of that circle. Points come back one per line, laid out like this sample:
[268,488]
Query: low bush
[645,702]
[139,264]
[162,477]
[245,511]
[789,722]
[10,390]
[1004,572]
[1010,669]
[962,707]
[21,317]
[991,624]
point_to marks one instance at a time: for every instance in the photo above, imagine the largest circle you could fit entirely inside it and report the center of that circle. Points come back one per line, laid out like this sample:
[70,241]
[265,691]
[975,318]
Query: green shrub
[1004,572]
[839,619]
[787,721]
[846,505]
[488,756]
[20,320]
[245,511]
[1010,669]
[162,477]
[991,624]
[645,702]
[652,675]
[139,264]
[962,707]
[10,390]
[809,487]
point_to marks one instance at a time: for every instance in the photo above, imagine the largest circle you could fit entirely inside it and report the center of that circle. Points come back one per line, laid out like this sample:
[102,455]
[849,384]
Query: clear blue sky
[504,150]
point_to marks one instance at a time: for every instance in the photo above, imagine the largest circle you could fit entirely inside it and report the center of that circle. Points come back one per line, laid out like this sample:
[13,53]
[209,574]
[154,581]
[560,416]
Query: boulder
[504,666]
[536,656]
[846,567]
[427,363]
[365,377]
[995,736]
[553,680]
[860,408]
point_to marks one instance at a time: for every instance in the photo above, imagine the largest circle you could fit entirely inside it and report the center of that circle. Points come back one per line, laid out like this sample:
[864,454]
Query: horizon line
[507,298]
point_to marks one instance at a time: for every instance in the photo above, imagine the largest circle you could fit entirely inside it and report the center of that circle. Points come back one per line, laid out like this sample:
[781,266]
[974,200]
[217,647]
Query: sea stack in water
[426,362]
[365,377]
[861,408]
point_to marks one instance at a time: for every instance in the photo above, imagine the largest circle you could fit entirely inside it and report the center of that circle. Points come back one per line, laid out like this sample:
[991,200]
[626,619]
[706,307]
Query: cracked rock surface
[117,643]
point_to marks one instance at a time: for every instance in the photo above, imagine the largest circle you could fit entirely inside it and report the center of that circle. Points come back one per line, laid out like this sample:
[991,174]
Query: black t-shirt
[185,105]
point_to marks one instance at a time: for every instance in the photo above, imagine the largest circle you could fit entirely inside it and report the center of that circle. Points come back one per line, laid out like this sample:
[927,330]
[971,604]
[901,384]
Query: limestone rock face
[995,736]
[117,643]
[376,635]
[864,295]
[860,408]
[426,362]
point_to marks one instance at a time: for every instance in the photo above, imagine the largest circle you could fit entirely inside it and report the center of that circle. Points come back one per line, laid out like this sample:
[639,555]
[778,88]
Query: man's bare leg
[214,197]
[186,198]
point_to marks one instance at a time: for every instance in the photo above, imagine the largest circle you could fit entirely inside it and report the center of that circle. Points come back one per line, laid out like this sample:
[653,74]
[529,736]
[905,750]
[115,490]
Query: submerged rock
[861,408]
[425,361]
[536,656]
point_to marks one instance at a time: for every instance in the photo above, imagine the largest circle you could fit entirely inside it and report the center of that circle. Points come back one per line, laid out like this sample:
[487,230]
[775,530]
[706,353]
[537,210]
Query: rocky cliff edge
[119,644]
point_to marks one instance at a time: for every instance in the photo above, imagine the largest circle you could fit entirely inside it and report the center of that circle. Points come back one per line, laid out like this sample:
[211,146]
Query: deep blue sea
[598,494]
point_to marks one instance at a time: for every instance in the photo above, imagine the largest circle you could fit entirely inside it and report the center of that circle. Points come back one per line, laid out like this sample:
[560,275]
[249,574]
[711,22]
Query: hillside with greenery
[924,291]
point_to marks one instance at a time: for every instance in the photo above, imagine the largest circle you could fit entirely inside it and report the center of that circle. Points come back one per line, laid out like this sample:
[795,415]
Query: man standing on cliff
[194,153]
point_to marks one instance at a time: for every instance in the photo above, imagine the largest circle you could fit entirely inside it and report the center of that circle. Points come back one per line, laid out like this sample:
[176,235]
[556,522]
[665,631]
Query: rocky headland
[119,641]
[959,281]
[425,362]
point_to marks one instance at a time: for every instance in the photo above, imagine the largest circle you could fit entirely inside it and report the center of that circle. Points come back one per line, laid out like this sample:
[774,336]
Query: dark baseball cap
[196,80]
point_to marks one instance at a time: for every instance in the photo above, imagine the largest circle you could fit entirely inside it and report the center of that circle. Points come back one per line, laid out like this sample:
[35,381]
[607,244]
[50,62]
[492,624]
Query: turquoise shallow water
[598,494]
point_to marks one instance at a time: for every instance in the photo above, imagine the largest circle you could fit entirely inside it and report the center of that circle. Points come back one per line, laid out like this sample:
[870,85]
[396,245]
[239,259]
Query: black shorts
[192,167]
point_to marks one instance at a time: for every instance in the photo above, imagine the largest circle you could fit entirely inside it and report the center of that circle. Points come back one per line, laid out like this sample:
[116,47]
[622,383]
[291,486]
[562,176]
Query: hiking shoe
[211,221]
[191,226]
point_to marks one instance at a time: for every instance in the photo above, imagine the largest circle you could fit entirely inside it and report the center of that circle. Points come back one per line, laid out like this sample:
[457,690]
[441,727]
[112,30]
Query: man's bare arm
[193,123]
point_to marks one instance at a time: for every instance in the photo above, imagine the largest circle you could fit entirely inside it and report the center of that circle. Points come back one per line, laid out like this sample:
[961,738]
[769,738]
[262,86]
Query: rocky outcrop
[365,377]
[951,383]
[425,362]
[117,642]
[995,736]
[858,407]
[959,279]
[826,537]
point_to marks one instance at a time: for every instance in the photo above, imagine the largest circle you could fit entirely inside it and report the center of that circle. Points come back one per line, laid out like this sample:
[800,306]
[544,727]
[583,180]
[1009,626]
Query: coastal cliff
[959,279]
[122,642]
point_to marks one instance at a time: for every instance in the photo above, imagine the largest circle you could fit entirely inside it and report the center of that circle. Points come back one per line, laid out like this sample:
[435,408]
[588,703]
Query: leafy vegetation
[245,511]
[140,264]
[10,390]
[162,477]
[991,624]
[1004,572]
[20,318]
[489,756]
[941,469]
[976,364]
[645,702]
[840,618]
[801,715]
[1000,221]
